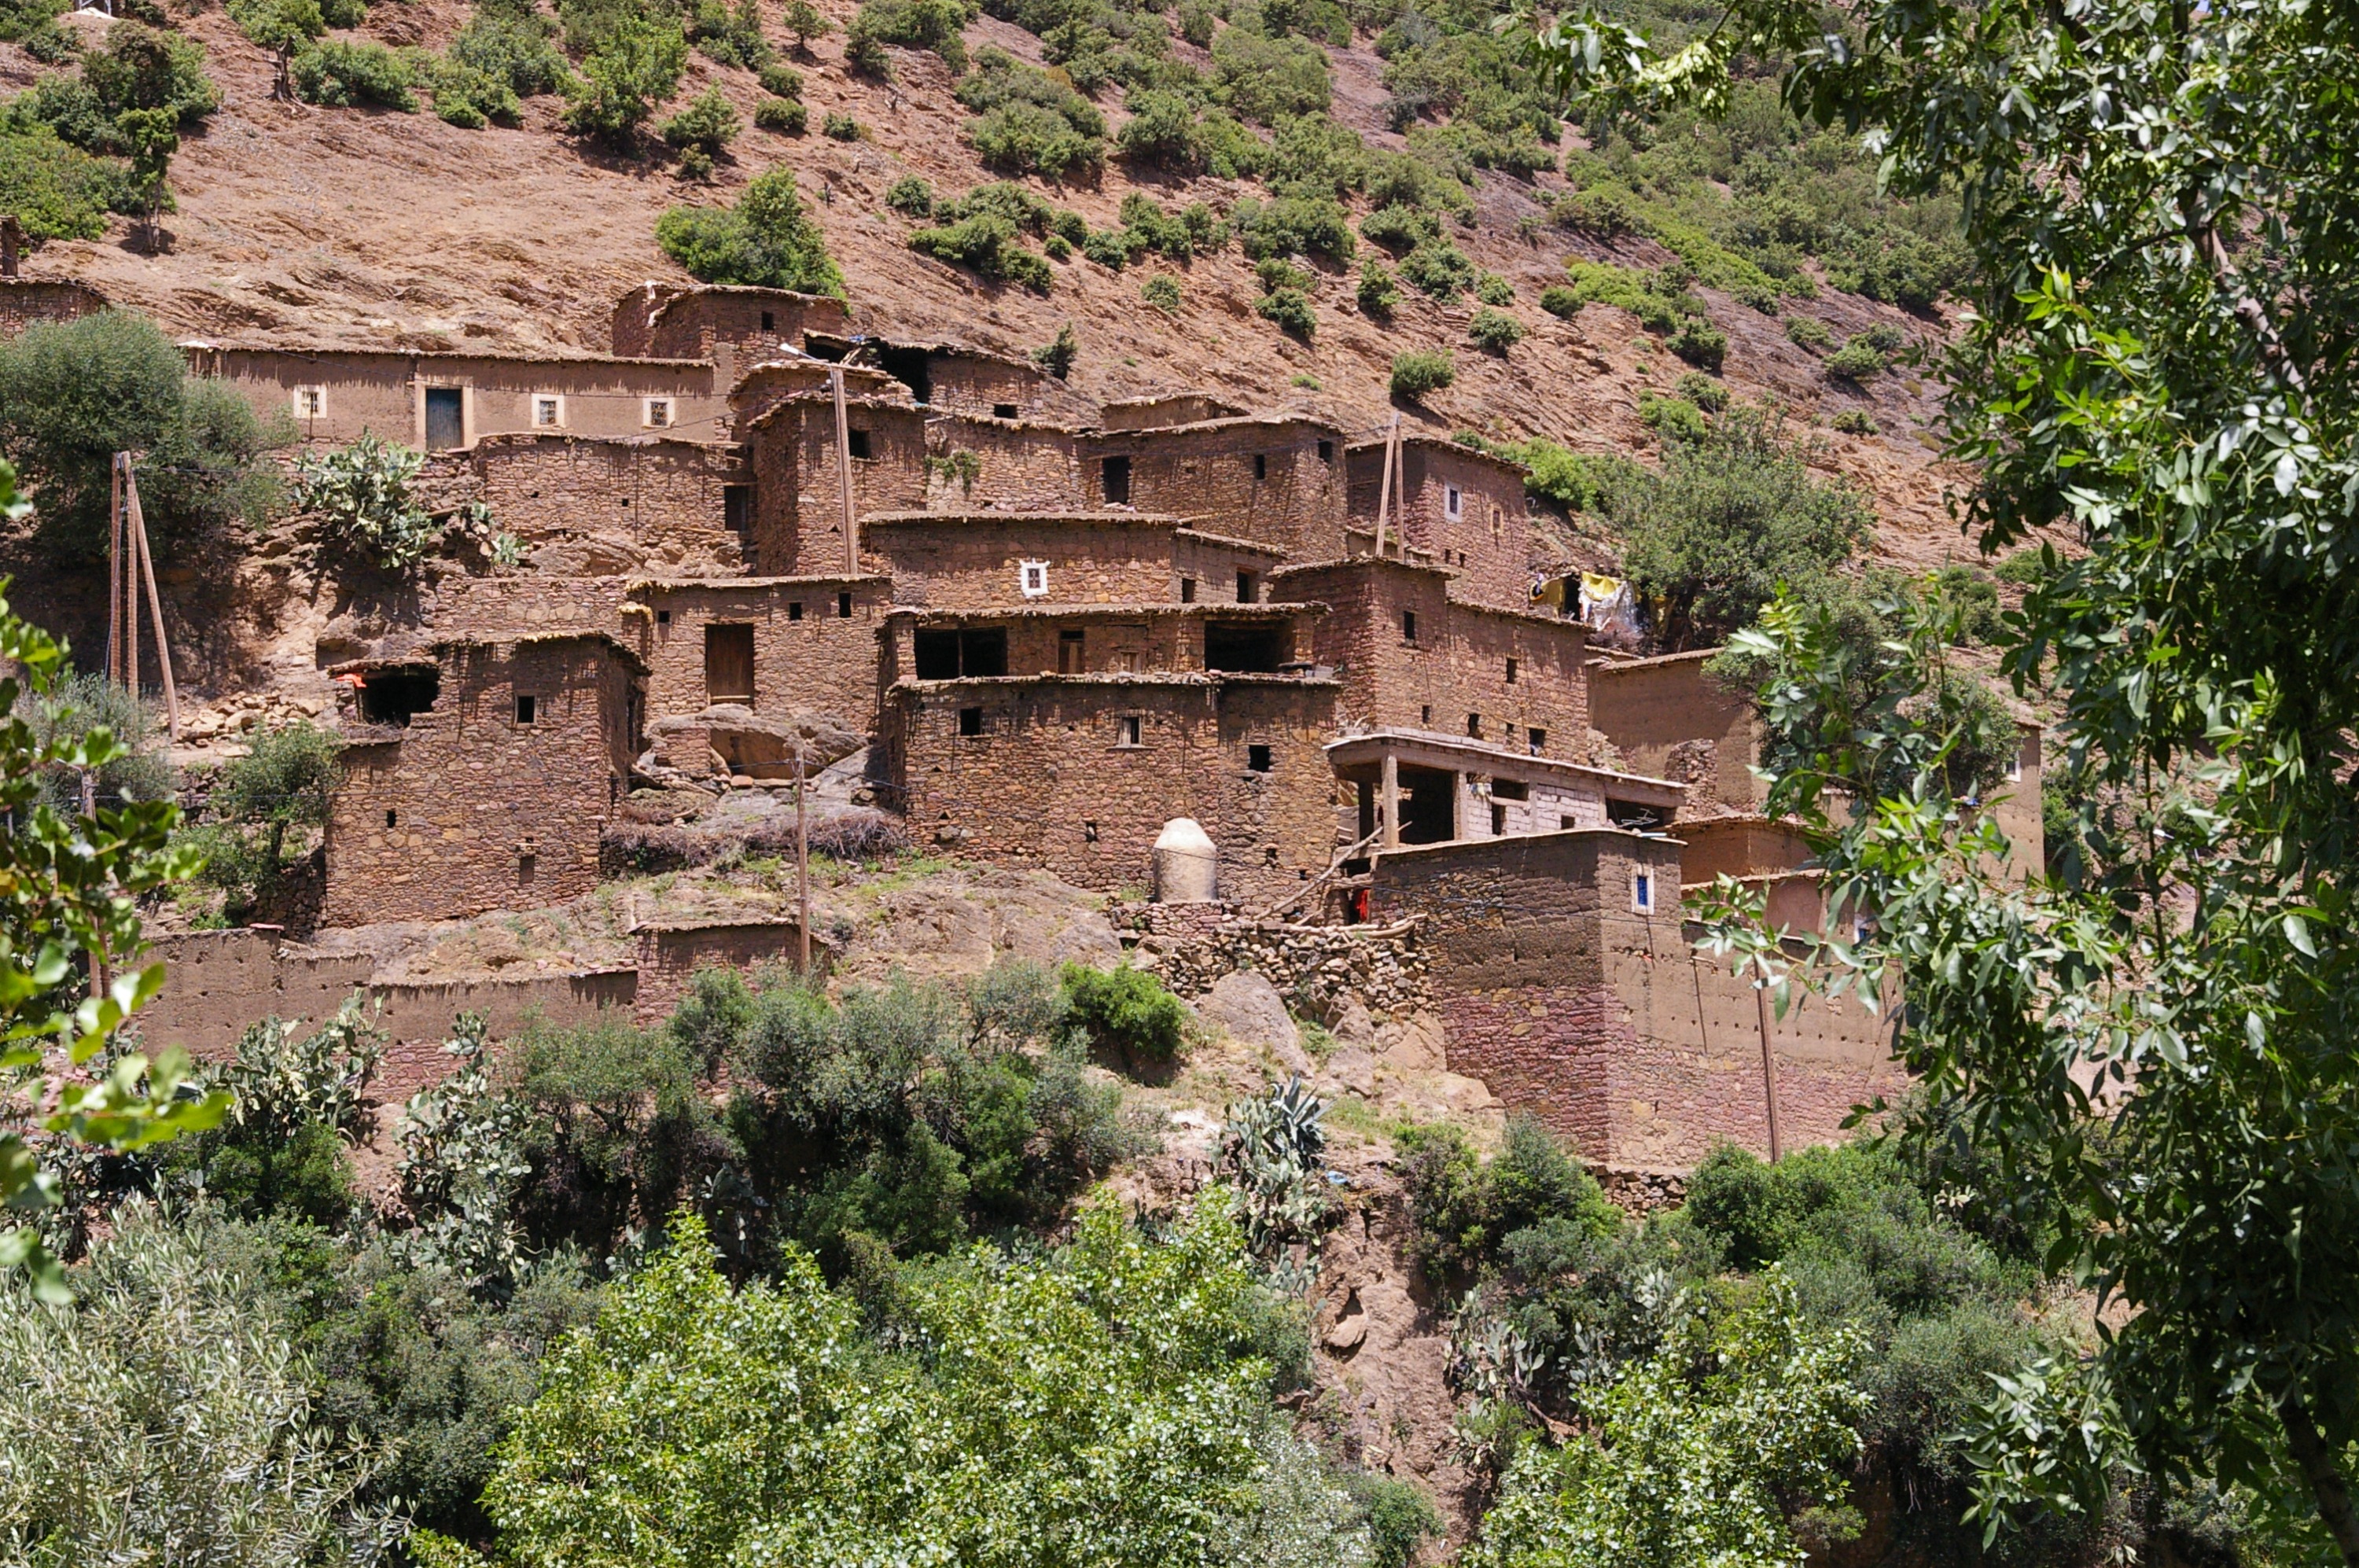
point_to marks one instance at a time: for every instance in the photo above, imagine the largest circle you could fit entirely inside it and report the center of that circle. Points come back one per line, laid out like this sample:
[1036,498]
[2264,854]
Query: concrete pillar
[1458,806]
[1390,789]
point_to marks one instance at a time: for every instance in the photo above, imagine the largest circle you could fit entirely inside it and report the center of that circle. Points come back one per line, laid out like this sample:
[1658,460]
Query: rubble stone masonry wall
[798,505]
[1294,500]
[1050,780]
[1453,677]
[471,809]
[975,561]
[807,656]
[641,504]
[24,300]
[667,322]
[1599,1018]
[1017,466]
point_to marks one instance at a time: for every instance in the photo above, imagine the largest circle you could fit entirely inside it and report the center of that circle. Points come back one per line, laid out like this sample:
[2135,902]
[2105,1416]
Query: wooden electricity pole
[155,605]
[114,572]
[802,867]
[844,473]
[1768,1069]
[1385,495]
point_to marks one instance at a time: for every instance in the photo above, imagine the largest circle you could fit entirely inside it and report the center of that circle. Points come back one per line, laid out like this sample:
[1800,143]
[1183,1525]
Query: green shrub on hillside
[1420,371]
[1264,80]
[933,24]
[987,245]
[343,74]
[1030,122]
[1162,291]
[785,115]
[58,193]
[708,124]
[1125,1012]
[730,34]
[1439,269]
[1494,331]
[767,240]
[1377,296]
[634,66]
[1858,361]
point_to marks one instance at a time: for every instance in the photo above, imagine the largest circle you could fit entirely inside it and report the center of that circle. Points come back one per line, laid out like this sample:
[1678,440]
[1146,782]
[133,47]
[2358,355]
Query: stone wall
[1601,1019]
[809,657]
[1486,546]
[1668,718]
[588,507]
[969,383]
[798,503]
[1113,639]
[668,321]
[24,300]
[670,956]
[1051,781]
[468,808]
[973,560]
[525,602]
[1455,677]
[1223,571]
[1017,466]
[1317,966]
[1260,479]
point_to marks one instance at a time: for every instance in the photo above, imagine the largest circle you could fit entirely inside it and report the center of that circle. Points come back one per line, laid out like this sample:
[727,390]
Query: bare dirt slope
[301,225]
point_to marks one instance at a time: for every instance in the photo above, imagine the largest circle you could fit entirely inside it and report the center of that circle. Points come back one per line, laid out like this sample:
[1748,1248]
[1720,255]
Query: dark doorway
[737,509]
[968,655]
[1071,652]
[391,696]
[446,418]
[729,664]
[1428,805]
[907,366]
[1247,648]
[1113,479]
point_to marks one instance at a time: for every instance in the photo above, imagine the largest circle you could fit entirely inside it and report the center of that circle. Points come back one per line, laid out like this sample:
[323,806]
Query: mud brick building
[24,300]
[1277,479]
[482,780]
[776,646]
[798,479]
[1459,508]
[661,320]
[1411,657]
[1416,787]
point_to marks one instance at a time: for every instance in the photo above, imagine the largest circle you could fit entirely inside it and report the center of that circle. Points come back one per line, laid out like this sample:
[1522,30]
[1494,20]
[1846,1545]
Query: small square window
[525,707]
[858,441]
[794,609]
[843,606]
[2015,765]
[1408,625]
[970,721]
[391,817]
[1131,731]
[658,414]
[548,412]
[663,617]
[1642,893]
[1032,577]
[1474,725]
[1187,590]
[1257,758]
[1326,452]
[310,402]
[1003,410]
[1248,588]
[1453,502]
[1261,466]
[769,323]
[1535,740]
[1511,672]
[1568,823]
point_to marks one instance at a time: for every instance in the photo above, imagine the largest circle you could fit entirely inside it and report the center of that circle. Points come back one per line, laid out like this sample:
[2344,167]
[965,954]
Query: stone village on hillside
[1065,635]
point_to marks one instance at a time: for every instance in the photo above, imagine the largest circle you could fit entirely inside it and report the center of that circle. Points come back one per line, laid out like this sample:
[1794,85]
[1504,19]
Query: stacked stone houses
[1061,626]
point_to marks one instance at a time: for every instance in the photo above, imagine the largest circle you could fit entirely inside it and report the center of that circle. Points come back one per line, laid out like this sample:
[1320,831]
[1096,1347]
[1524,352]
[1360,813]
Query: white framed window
[1032,577]
[657,414]
[548,412]
[1453,502]
[310,402]
[1642,892]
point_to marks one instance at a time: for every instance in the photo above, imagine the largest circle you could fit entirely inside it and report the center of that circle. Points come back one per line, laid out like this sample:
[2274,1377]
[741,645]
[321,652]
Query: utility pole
[114,570]
[1768,1066]
[844,473]
[802,867]
[155,603]
[1385,495]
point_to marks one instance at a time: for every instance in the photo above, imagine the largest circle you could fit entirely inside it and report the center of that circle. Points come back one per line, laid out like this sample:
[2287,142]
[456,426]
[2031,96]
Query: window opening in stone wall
[548,412]
[938,655]
[1072,649]
[1428,805]
[1498,820]
[1425,716]
[1004,411]
[392,817]
[446,418]
[1248,588]
[1534,740]
[1510,789]
[1497,516]
[970,721]
[1326,452]
[794,609]
[1474,725]
[983,651]
[2015,764]
[1408,625]
[858,441]
[1642,892]
[1261,466]
[769,323]
[1113,481]
[729,663]
[391,696]
[663,617]
[1187,590]
[1568,823]
[525,707]
[1633,815]
[1032,579]
[1089,833]
[1511,672]
[737,509]
[310,402]
[1453,502]
[907,366]
[843,606]
[658,414]
[1246,648]
[1257,758]
[1131,730]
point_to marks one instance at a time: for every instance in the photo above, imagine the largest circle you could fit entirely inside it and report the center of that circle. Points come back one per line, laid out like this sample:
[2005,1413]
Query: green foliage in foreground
[1100,1405]
[766,241]
[1126,1011]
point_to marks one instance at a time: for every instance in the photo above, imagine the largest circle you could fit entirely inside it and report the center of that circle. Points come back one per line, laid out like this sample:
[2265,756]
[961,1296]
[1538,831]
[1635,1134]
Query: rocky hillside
[299,223]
